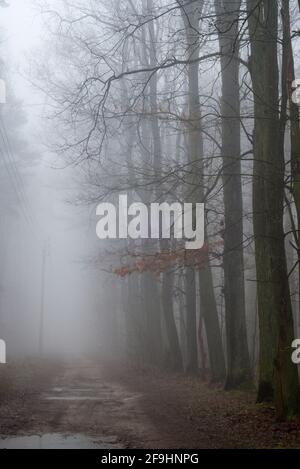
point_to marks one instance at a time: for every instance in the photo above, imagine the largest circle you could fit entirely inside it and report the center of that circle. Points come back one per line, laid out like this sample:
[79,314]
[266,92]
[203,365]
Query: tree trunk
[212,327]
[191,13]
[238,361]
[288,77]
[172,334]
[191,321]
[166,292]
[278,376]
[135,321]
[151,304]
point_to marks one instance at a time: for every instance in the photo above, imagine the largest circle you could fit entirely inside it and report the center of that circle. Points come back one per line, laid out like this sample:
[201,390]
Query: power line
[16,179]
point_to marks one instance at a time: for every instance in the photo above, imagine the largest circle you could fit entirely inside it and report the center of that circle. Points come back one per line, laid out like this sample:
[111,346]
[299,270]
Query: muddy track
[80,401]
[114,406]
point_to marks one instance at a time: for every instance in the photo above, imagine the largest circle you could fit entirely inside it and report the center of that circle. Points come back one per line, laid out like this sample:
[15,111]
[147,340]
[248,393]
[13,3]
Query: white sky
[22,18]
[22,32]
[21,28]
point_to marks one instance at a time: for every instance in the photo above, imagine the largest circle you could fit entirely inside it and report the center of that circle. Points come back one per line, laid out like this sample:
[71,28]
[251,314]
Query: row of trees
[192,101]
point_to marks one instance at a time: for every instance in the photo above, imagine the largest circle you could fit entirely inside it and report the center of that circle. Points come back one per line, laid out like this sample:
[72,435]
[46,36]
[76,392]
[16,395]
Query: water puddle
[132,398]
[73,389]
[72,394]
[57,441]
[72,398]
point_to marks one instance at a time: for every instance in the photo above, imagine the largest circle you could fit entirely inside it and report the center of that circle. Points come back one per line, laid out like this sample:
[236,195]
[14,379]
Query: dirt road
[115,407]
[79,401]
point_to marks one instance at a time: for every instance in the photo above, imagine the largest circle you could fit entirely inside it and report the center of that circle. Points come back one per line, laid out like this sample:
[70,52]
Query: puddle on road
[74,393]
[72,398]
[73,389]
[57,441]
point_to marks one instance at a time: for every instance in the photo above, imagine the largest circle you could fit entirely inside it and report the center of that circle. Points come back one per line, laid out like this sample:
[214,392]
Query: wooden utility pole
[42,307]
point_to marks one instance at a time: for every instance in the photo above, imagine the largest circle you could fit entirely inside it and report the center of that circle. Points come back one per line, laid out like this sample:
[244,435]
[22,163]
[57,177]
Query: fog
[150,211]
[47,217]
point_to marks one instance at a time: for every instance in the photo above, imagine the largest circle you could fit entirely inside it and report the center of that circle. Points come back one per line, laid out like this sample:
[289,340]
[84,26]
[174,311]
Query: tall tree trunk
[167,284]
[278,376]
[151,304]
[191,13]
[134,320]
[288,78]
[212,327]
[238,361]
[191,321]
[172,334]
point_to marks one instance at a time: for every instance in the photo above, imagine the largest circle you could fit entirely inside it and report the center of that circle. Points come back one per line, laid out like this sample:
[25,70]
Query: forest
[153,147]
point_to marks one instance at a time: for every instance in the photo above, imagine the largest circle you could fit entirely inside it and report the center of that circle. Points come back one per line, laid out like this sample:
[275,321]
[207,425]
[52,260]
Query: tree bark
[172,334]
[167,284]
[238,361]
[191,321]
[152,306]
[288,77]
[278,376]
[191,13]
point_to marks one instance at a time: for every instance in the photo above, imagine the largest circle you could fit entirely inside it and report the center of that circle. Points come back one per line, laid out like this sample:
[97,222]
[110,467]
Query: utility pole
[42,307]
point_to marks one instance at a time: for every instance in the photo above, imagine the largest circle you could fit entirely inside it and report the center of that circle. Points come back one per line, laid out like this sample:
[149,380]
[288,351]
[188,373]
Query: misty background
[44,219]
[187,101]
